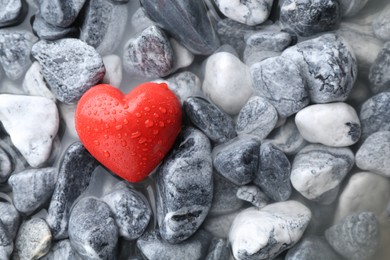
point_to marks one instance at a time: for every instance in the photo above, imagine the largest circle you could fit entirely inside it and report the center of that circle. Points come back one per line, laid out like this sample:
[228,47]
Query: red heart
[129,134]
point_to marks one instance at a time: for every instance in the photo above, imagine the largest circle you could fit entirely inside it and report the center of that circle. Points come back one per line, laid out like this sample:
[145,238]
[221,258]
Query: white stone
[113,65]
[181,56]
[365,191]
[227,82]
[32,123]
[333,124]
[34,84]
[252,229]
[247,12]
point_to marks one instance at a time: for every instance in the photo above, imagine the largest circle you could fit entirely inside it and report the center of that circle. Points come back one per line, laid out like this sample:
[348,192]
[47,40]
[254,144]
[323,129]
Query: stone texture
[34,84]
[60,13]
[312,247]
[380,69]
[47,31]
[11,12]
[61,250]
[253,195]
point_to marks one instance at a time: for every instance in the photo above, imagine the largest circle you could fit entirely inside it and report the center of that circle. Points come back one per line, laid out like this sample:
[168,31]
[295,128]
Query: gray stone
[273,175]
[69,66]
[34,84]
[280,81]
[11,12]
[61,250]
[92,229]
[6,166]
[350,8]
[47,31]
[10,218]
[6,243]
[237,160]
[184,186]
[131,211]
[380,24]
[328,66]
[356,237]
[253,195]
[60,13]
[73,178]
[32,188]
[18,163]
[140,21]
[312,247]
[257,118]
[185,84]
[380,70]
[218,250]
[33,240]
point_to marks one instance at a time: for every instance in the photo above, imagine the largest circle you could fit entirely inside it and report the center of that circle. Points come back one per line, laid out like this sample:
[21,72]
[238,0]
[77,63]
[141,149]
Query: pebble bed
[284,151]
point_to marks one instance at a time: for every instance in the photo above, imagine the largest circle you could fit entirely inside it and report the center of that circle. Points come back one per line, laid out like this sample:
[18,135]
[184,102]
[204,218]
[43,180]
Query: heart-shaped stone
[129,134]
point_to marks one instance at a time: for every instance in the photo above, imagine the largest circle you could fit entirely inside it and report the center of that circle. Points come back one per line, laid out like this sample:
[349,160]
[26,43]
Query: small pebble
[32,188]
[6,242]
[61,250]
[47,31]
[237,160]
[380,70]
[218,250]
[381,24]
[34,84]
[11,12]
[113,65]
[273,175]
[33,240]
[333,124]
[253,195]
[92,229]
[356,237]
[10,218]
[227,82]
[312,247]
[58,13]
[217,125]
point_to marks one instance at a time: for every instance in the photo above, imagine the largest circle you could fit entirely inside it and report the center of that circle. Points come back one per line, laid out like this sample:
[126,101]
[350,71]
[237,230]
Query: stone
[11,12]
[70,67]
[10,218]
[246,12]
[59,13]
[328,65]
[177,17]
[73,178]
[217,125]
[131,210]
[32,188]
[310,17]
[47,31]
[182,57]
[333,124]
[355,237]
[265,233]
[103,25]
[153,246]
[256,118]
[279,80]
[350,8]
[318,169]
[19,115]
[185,84]
[33,240]
[148,55]
[61,250]
[253,195]
[114,74]
[92,229]
[184,186]
[219,226]
[374,154]
[237,160]
[140,21]
[34,84]
[219,249]
[364,191]
[374,114]
[378,75]
[380,24]
[15,52]
[6,166]
[312,247]
[273,174]
[6,243]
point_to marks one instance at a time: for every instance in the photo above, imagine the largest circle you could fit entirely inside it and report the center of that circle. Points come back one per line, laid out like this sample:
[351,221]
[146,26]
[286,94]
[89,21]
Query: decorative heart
[129,134]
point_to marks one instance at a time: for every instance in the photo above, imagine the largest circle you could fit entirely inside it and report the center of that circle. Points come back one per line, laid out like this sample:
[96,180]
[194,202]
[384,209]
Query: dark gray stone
[92,230]
[380,70]
[11,12]
[312,247]
[6,242]
[237,160]
[328,66]
[153,247]
[217,125]
[69,66]
[10,218]
[60,13]
[219,250]
[184,186]
[253,195]
[280,81]
[46,31]
[187,21]
[356,237]
[73,178]
[374,114]
[5,166]
[18,161]
[131,211]
[148,55]
[15,49]
[309,17]
[273,175]
[32,188]
[61,250]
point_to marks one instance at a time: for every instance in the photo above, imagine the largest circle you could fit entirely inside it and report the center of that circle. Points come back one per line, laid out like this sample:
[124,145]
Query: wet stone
[356,237]
[279,80]
[217,125]
[11,12]
[273,175]
[10,218]
[328,66]
[237,160]
[6,242]
[218,250]
[380,70]
[46,31]
[33,240]
[312,247]
[61,250]
[60,13]
[131,211]
[148,55]
[253,195]
[15,52]
[5,166]
[92,229]
[34,84]
[70,67]
[73,178]
[197,35]
[184,186]
[309,17]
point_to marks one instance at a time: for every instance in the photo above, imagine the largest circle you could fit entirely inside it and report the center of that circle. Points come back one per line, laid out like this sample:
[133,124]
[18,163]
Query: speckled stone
[11,12]
[61,250]
[380,24]
[10,218]
[6,166]
[47,31]
[6,243]
[312,247]
[59,13]
[380,70]
[253,195]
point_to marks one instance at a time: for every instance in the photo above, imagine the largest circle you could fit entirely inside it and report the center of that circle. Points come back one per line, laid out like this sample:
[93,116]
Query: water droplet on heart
[159,141]
[170,111]
[138,114]
[156,115]
[123,143]
[135,134]
[125,106]
[145,149]
[161,124]
[96,142]
[149,123]
[125,121]
[106,153]
[119,136]
[96,129]
[116,103]
[144,159]
[88,128]
[113,112]
[105,136]
[162,109]
[142,140]
[147,109]
[118,127]
[155,131]
[113,120]
[106,112]
[89,113]
[99,104]
[107,126]
[168,121]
